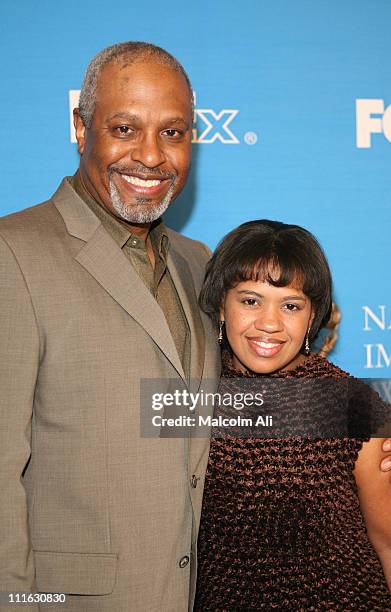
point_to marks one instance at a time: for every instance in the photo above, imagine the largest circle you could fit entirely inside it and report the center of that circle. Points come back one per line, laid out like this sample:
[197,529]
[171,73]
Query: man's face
[136,155]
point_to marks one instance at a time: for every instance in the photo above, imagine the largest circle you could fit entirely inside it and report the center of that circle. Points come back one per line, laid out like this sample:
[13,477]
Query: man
[96,294]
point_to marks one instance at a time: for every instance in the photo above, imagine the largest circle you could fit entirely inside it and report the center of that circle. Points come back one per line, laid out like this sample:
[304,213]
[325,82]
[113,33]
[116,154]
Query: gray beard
[143,211]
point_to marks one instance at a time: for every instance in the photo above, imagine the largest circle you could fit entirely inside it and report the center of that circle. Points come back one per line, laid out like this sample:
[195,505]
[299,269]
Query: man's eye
[172,133]
[123,130]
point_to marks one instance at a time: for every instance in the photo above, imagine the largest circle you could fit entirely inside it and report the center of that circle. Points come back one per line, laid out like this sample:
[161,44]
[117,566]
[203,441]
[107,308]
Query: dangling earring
[307,343]
[221,328]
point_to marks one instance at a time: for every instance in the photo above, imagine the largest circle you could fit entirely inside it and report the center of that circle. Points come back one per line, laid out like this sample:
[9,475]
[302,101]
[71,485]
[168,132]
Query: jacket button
[194,480]
[184,561]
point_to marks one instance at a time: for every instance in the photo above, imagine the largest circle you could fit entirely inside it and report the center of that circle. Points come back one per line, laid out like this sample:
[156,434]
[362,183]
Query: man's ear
[80,130]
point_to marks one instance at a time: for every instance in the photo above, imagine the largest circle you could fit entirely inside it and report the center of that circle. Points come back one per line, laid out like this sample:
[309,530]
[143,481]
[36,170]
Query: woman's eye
[292,307]
[249,301]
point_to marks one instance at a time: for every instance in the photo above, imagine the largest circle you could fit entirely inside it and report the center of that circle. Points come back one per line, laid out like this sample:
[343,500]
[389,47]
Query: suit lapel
[183,281]
[105,261]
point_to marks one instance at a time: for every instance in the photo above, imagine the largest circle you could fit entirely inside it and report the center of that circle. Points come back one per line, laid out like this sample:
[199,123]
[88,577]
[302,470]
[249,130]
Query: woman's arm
[374,488]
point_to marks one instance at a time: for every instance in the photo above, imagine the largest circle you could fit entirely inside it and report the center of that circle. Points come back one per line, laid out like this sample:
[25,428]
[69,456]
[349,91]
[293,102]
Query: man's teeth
[134,180]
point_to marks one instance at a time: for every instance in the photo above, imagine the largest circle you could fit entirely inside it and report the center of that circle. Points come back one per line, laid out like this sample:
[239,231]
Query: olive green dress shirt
[158,278]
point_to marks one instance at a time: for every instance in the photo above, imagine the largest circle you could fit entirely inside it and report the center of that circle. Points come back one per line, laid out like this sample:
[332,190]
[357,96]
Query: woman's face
[266,325]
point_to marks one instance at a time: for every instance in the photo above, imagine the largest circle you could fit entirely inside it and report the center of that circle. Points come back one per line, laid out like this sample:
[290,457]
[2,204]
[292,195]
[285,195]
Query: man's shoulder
[33,224]
[36,222]
[26,216]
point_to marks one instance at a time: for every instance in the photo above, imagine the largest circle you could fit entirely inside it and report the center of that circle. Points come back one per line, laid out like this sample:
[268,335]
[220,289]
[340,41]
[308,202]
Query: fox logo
[367,124]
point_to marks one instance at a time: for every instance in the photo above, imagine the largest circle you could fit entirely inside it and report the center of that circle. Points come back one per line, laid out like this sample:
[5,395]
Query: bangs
[278,273]
[266,261]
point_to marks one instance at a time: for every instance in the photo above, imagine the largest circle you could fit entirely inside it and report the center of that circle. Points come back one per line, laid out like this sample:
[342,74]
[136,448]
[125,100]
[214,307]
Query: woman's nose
[269,320]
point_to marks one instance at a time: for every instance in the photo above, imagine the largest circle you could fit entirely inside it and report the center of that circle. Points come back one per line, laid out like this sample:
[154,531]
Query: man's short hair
[127,53]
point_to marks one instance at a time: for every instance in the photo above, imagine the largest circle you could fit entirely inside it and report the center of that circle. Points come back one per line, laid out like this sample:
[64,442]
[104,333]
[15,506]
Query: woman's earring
[221,328]
[307,344]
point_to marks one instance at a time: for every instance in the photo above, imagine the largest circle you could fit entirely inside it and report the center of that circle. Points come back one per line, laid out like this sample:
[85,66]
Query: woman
[291,522]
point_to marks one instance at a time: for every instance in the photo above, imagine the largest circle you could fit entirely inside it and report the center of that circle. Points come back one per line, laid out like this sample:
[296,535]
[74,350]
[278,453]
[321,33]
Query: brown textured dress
[281,527]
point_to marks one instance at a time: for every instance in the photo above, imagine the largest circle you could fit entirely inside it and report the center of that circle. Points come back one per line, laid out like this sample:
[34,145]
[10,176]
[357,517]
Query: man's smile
[142,181]
[134,180]
[145,186]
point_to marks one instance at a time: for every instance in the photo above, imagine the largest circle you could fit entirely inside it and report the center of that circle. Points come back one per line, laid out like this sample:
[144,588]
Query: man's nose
[148,151]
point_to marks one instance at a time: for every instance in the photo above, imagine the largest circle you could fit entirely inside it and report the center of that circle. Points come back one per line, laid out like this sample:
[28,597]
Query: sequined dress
[281,527]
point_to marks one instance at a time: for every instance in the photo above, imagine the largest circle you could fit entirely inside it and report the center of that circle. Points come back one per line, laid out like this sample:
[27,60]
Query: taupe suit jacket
[100,512]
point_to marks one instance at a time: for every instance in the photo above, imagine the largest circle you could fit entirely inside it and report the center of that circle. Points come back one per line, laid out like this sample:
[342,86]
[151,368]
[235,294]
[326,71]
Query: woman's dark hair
[258,250]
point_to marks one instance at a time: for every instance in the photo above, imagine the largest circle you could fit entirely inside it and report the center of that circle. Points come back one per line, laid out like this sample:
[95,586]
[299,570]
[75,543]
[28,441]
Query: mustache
[140,169]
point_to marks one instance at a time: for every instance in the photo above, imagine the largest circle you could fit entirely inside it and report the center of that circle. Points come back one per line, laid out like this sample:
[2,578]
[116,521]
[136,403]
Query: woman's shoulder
[311,366]
[315,366]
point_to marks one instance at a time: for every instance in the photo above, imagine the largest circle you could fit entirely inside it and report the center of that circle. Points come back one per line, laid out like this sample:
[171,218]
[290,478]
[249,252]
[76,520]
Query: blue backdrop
[293,123]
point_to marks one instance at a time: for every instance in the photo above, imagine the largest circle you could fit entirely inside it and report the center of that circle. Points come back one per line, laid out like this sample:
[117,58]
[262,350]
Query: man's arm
[19,357]
[385,464]
[375,500]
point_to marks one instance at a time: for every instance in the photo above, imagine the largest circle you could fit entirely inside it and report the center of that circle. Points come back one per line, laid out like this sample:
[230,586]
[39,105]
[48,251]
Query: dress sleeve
[369,414]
